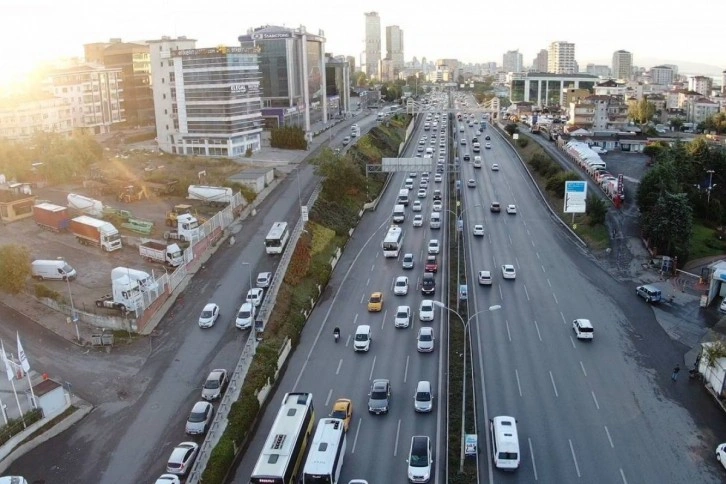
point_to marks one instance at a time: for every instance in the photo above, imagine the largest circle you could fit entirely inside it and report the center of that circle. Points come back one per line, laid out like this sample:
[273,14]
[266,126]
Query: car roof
[376,294]
[362,327]
[426,330]
[200,406]
[403,308]
[209,306]
[216,373]
[379,383]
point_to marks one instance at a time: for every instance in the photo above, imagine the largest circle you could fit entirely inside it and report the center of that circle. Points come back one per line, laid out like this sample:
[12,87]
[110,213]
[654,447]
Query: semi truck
[187,229]
[145,280]
[51,217]
[85,205]
[91,231]
[154,251]
[216,196]
[125,295]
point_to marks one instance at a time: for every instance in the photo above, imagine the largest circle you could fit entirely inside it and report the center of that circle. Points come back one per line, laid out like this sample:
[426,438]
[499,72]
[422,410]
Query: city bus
[327,451]
[276,238]
[393,241]
[285,446]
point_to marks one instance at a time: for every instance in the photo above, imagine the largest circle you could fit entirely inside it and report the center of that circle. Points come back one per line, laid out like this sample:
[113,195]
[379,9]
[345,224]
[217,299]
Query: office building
[351,63]
[597,70]
[373,44]
[700,84]
[561,58]
[292,63]
[134,60]
[394,47]
[662,75]
[512,61]
[622,65]
[546,89]
[337,79]
[207,101]
[540,63]
[23,118]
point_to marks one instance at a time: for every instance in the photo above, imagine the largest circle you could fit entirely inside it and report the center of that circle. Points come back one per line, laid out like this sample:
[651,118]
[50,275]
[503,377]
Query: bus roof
[393,234]
[278,228]
[328,437]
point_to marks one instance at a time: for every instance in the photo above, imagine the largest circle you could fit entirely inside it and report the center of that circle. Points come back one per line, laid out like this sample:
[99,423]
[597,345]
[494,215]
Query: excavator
[132,193]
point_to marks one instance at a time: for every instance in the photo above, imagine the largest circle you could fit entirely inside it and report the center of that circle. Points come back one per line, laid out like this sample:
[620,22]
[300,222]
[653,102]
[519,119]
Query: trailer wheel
[99,304]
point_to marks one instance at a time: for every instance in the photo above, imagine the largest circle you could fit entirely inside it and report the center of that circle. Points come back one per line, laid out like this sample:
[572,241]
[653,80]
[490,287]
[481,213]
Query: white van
[52,269]
[402,196]
[362,339]
[435,220]
[408,183]
[505,443]
[399,214]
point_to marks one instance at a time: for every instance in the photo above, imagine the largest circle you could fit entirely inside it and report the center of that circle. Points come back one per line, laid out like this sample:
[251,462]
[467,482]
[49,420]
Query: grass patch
[596,237]
[705,242]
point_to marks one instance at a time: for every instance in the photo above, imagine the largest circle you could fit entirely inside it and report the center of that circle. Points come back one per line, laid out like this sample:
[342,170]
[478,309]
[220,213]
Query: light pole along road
[465,324]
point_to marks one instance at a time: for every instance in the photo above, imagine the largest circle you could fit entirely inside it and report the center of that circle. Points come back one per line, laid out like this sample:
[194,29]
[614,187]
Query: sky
[35,31]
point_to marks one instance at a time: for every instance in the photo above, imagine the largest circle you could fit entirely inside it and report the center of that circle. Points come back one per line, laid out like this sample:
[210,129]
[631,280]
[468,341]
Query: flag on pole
[22,356]
[6,362]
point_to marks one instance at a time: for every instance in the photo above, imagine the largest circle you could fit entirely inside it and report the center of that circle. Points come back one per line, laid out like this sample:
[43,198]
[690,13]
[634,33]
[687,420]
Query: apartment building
[22,118]
[622,65]
[561,58]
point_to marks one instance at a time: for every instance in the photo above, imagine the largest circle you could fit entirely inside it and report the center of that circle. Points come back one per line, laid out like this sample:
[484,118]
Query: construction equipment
[131,193]
[162,189]
[139,226]
[174,213]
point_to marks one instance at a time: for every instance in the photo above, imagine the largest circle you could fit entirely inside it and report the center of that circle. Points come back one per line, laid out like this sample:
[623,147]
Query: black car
[467,157]
[437,194]
[487,138]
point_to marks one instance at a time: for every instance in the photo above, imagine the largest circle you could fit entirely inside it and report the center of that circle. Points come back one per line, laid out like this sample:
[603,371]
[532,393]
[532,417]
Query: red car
[431,264]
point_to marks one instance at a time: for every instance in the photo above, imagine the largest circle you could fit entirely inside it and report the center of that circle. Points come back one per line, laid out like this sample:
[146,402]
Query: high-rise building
[622,65]
[700,84]
[723,82]
[512,61]
[598,70]
[134,60]
[337,80]
[662,75]
[351,63]
[561,58]
[373,44]
[540,63]
[207,101]
[394,47]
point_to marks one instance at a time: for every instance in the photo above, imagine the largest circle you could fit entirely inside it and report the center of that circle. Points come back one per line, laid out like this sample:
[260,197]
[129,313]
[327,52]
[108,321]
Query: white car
[512,209]
[488,146]
[255,295]
[495,167]
[425,339]
[416,207]
[471,183]
[403,317]
[463,141]
[426,310]
[722,307]
[264,279]
[245,316]
[418,220]
[182,458]
[434,246]
[424,183]
[209,315]
[437,206]
[721,454]
[485,278]
[508,271]
[438,178]
[400,287]
[422,193]
[479,229]
[167,479]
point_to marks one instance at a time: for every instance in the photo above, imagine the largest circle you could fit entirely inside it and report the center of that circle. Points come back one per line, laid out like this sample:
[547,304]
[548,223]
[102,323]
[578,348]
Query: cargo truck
[51,217]
[154,251]
[125,295]
[91,231]
[145,280]
[187,229]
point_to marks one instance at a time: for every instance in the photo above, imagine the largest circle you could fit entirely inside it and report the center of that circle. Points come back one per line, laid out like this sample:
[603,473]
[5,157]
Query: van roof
[505,428]
[363,328]
[423,386]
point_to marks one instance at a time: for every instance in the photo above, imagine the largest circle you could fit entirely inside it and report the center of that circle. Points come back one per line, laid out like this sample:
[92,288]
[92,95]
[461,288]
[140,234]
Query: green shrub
[523,142]
[288,137]
[41,290]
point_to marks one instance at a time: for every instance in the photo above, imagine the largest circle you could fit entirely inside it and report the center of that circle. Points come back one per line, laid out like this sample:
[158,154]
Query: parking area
[633,166]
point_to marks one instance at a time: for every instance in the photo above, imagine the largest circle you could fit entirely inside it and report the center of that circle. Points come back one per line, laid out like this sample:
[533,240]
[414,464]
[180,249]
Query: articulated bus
[285,446]
[327,451]
[277,238]
[393,241]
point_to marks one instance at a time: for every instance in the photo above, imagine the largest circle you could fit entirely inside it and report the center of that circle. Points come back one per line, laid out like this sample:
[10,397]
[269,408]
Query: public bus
[285,446]
[327,451]
[276,238]
[393,241]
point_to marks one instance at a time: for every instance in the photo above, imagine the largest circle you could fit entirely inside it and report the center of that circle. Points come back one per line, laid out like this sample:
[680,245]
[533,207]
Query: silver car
[423,400]
[215,385]
[199,418]
[379,398]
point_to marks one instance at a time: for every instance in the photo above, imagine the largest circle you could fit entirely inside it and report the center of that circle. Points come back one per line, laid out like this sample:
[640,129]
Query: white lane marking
[355,319]
[543,269]
[574,458]
[622,475]
[532,242]
[398,431]
[383,323]
[554,387]
[363,296]
[405,371]
[555,296]
[510,239]
[501,294]
[563,318]
[537,254]
[548,282]
[526,292]
[607,432]
[355,440]
[373,367]
[519,386]
[516,259]
[583,369]
[594,398]
[531,454]
[572,342]
[340,363]
[509,334]
[537,327]
[330,394]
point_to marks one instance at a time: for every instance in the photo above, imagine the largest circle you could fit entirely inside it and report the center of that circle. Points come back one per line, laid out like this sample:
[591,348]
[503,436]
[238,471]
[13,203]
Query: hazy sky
[468,30]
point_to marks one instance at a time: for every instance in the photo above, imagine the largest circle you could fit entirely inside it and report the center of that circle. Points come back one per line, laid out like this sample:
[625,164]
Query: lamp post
[249,271]
[465,324]
[73,309]
[710,185]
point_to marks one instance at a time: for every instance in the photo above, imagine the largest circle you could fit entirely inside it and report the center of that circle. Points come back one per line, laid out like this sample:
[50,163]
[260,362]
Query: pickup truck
[431,264]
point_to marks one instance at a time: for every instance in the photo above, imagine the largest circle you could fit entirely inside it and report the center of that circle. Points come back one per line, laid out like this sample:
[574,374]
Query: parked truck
[51,217]
[85,205]
[210,195]
[154,251]
[125,295]
[146,281]
[187,229]
[91,231]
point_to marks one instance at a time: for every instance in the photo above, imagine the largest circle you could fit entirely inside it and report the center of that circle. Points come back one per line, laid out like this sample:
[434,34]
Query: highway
[586,411]
[377,445]
[129,438]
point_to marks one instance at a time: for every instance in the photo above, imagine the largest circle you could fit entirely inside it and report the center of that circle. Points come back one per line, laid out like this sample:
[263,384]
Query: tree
[511,128]
[596,210]
[659,180]
[716,123]
[654,150]
[342,175]
[669,224]
[676,124]
[14,266]
[641,111]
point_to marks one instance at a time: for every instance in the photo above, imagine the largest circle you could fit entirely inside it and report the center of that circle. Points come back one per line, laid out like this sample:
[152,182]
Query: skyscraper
[394,47]
[512,61]
[540,62]
[373,43]
[561,58]
[622,64]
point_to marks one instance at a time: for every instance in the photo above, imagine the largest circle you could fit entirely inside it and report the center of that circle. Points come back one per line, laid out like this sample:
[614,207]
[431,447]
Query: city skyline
[434,34]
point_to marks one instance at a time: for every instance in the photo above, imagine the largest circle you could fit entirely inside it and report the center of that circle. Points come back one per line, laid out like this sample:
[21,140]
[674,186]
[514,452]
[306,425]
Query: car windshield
[197,417]
[206,314]
[401,283]
[375,299]
[427,308]
[424,337]
[211,384]
[418,461]
[361,337]
[378,395]
[423,396]
[244,315]
[402,315]
[339,414]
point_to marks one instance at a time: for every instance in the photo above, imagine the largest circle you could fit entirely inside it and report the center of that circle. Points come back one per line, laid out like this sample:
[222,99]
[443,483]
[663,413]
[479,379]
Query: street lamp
[73,309]
[710,185]
[249,271]
[463,390]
